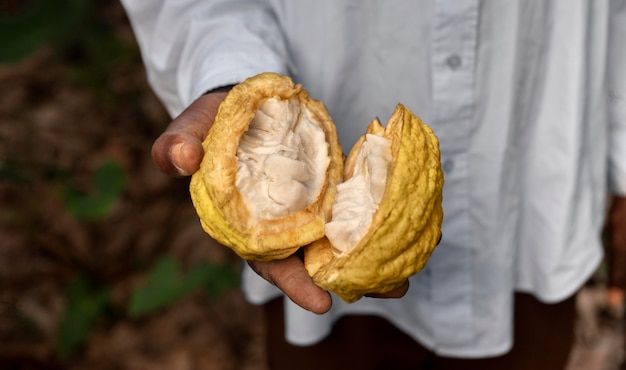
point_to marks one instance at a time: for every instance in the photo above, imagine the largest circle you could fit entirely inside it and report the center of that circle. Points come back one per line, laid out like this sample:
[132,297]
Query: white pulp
[281,160]
[358,198]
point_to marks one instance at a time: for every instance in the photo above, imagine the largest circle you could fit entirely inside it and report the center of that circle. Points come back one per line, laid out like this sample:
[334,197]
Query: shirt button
[453,61]
[447,165]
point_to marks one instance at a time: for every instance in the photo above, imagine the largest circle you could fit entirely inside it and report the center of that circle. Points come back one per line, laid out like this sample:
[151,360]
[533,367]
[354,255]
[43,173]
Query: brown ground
[55,132]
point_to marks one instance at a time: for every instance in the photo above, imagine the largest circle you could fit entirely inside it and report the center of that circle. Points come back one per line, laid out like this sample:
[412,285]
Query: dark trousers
[544,335]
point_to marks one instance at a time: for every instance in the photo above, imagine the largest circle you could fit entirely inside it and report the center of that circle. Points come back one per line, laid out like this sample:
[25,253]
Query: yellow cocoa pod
[386,219]
[268,178]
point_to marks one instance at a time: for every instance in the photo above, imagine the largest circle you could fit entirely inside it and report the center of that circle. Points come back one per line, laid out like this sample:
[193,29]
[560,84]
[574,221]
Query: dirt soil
[54,135]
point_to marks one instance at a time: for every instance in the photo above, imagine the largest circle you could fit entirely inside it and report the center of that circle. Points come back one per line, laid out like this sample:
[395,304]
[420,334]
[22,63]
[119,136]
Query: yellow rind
[406,227]
[223,212]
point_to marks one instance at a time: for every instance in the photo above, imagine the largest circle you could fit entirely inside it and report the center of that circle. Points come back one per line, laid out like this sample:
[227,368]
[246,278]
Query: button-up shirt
[527,97]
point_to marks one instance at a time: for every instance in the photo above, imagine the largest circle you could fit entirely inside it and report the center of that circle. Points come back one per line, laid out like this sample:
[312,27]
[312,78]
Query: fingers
[290,276]
[396,293]
[178,151]
[177,154]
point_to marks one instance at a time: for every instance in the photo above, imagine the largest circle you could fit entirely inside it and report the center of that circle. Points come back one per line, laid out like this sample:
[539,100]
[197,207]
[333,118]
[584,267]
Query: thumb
[178,151]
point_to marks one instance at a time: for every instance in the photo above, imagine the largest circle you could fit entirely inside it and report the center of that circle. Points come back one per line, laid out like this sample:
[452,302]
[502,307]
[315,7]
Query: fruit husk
[223,211]
[406,226]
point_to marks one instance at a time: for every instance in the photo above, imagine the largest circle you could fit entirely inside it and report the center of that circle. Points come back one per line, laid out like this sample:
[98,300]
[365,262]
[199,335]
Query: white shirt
[527,97]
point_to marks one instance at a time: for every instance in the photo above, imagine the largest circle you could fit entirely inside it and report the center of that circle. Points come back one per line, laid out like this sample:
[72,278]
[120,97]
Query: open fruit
[386,219]
[273,180]
[268,178]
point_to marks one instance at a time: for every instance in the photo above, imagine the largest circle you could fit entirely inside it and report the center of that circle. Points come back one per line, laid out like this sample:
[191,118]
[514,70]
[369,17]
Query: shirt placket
[453,64]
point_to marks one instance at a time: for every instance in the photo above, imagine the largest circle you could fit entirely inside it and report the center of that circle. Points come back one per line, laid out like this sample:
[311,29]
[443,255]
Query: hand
[616,239]
[178,151]
[396,293]
[290,276]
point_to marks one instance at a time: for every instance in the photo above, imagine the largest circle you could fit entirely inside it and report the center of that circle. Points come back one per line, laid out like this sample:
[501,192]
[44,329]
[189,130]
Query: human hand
[290,276]
[616,239]
[178,152]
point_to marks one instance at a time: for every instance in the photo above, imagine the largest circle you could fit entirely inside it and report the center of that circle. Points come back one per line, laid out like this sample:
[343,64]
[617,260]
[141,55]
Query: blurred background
[103,264]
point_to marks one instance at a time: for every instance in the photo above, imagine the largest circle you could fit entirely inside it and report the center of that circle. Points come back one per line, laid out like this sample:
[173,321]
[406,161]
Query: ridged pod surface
[405,228]
[231,217]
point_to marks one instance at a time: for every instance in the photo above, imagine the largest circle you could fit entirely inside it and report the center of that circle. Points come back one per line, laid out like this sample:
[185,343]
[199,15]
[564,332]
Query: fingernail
[177,156]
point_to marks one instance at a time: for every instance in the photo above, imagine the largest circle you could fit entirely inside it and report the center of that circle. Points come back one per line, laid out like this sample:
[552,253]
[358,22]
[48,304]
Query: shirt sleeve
[617,97]
[190,47]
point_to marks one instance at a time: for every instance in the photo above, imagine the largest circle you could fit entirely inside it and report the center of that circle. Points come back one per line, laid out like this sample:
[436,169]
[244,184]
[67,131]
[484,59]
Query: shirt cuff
[220,71]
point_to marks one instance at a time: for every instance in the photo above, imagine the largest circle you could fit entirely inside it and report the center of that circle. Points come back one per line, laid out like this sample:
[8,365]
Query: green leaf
[166,284]
[39,22]
[217,278]
[24,31]
[85,304]
[109,181]
[12,173]
[162,287]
